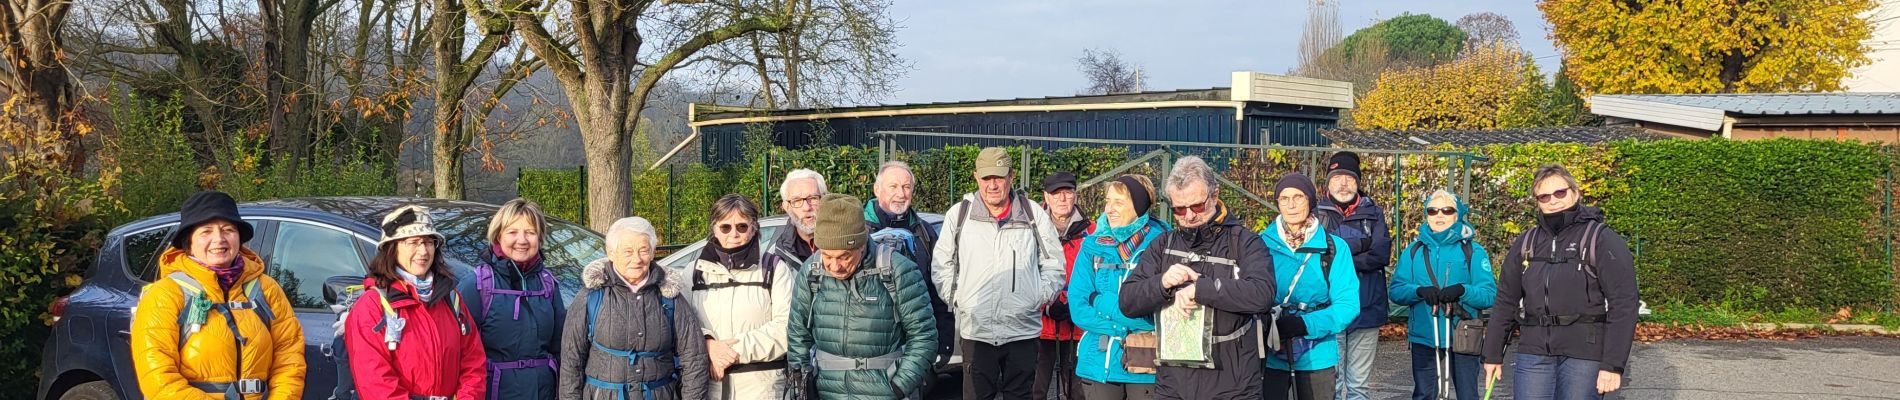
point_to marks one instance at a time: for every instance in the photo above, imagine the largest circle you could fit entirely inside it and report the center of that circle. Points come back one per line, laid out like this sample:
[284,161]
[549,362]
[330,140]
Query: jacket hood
[600,274]
[1459,230]
[1019,208]
[176,260]
[875,216]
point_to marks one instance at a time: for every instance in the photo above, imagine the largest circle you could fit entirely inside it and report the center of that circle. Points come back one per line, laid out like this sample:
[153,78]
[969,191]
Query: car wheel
[95,390]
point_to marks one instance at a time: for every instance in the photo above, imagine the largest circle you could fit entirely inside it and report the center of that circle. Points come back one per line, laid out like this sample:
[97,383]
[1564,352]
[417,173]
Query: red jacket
[434,357]
[1064,330]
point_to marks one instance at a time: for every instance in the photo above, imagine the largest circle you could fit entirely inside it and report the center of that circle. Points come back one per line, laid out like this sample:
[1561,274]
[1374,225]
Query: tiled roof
[1779,103]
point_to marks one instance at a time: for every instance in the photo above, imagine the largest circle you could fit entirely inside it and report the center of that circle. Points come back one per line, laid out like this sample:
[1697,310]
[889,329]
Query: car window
[305,255]
[140,251]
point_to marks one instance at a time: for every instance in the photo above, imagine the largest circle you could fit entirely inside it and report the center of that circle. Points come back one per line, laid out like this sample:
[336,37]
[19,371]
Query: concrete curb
[1876,329]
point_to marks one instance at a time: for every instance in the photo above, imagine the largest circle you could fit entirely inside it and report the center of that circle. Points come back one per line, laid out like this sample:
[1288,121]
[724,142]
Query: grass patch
[1723,315]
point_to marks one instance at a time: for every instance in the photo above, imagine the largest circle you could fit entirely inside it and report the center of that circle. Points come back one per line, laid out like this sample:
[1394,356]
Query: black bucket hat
[204,207]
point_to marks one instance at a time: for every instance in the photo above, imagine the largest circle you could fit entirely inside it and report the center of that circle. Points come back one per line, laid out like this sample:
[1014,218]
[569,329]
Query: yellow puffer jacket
[166,369]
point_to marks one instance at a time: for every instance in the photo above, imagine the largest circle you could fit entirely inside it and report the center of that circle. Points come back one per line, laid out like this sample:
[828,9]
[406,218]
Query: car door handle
[123,333]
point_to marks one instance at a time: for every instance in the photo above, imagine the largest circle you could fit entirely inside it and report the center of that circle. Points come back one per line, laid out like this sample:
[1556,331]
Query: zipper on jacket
[1549,332]
[1012,271]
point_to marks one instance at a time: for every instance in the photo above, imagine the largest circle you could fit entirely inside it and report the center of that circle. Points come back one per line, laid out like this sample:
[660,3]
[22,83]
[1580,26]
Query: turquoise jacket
[1450,263]
[1329,304]
[1095,298]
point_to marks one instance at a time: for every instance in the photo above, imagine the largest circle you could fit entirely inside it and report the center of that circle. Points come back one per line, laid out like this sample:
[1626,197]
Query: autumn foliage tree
[1709,46]
[1491,87]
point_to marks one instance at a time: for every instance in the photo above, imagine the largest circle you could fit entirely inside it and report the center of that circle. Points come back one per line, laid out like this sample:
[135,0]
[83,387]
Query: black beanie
[204,207]
[1344,162]
[1302,183]
[1137,194]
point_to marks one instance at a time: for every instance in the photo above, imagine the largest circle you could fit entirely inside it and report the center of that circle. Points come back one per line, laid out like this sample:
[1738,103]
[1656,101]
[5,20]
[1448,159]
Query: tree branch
[650,77]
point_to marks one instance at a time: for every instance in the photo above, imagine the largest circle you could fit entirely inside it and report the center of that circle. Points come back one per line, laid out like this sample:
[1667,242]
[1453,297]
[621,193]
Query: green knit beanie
[841,223]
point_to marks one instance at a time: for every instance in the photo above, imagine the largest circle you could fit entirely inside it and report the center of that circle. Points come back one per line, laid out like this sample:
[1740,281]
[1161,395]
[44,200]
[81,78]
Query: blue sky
[989,49]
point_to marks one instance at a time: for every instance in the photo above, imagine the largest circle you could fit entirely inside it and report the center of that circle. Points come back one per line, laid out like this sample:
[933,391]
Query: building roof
[1421,139]
[1706,111]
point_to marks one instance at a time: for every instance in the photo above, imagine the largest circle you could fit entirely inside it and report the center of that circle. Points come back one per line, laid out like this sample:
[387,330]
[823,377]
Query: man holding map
[1210,270]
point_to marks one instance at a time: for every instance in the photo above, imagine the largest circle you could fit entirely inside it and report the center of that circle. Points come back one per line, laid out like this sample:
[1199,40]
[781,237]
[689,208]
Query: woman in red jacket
[409,337]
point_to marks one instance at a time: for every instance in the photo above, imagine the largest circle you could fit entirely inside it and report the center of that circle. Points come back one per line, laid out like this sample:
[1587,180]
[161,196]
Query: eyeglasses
[418,243]
[1560,194]
[1196,208]
[1441,211]
[728,228]
[811,201]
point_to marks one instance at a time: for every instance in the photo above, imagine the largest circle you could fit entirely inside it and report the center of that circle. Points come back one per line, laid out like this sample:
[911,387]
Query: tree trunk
[31,43]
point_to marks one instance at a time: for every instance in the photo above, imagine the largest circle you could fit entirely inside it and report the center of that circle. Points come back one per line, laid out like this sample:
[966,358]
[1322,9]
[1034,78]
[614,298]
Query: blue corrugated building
[1267,108]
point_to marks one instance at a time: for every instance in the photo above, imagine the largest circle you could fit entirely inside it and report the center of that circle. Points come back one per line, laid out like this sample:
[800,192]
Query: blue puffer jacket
[1449,262]
[517,328]
[1365,231]
[1095,298]
[1332,303]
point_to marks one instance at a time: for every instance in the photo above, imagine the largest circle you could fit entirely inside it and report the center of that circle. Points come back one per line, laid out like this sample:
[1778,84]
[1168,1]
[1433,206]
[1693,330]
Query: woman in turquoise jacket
[1316,300]
[1123,232]
[1444,268]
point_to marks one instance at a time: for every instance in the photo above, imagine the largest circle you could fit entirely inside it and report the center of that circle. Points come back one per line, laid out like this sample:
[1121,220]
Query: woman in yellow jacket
[213,326]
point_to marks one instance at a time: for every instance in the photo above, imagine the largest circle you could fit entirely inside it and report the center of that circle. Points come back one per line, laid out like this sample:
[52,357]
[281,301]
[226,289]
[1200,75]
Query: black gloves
[1428,294]
[1291,326]
[1058,311]
[1451,294]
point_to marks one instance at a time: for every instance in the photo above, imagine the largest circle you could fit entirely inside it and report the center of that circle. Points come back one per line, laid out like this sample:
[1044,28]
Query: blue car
[309,245]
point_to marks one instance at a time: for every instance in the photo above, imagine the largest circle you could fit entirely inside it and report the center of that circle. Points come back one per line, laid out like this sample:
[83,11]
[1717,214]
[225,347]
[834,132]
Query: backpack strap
[1588,248]
[956,257]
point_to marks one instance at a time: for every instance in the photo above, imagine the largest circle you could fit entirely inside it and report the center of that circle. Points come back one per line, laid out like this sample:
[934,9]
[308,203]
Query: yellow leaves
[1650,46]
[1467,93]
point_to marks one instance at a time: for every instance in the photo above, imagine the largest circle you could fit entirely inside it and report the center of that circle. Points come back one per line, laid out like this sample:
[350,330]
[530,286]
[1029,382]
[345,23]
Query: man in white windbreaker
[998,262]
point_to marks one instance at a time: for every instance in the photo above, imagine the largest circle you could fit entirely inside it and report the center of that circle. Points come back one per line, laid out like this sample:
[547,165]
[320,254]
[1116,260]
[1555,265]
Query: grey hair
[631,225]
[894,164]
[801,173]
[1550,170]
[1441,193]
[1191,169]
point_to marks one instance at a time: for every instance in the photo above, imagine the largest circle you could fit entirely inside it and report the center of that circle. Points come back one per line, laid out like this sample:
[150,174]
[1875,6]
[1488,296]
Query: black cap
[1302,183]
[1057,181]
[204,207]
[1344,162]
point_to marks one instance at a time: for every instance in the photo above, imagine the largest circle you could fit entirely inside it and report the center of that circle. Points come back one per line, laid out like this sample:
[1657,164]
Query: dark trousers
[1093,390]
[1464,374]
[1055,361]
[1308,385]
[999,372]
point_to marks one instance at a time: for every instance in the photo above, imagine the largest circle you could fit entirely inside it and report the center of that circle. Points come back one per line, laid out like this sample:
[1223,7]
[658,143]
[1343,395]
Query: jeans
[1464,374]
[1554,378]
[1356,349]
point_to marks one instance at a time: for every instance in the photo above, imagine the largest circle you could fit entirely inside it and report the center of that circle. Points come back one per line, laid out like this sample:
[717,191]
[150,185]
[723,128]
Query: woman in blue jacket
[1445,277]
[1106,257]
[1317,292]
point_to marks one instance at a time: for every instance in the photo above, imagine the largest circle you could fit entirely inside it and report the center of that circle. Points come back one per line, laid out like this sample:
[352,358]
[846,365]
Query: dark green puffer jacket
[857,317]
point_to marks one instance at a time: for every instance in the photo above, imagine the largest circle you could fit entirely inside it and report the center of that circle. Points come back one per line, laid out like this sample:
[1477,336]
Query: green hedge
[1757,225]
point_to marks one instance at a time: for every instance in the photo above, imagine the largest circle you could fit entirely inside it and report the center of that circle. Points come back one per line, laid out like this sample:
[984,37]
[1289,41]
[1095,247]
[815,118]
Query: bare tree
[1322,57]
[1322,31]
[453,75]
[606,50]
[1108,73]
[1487,28]
[290,100]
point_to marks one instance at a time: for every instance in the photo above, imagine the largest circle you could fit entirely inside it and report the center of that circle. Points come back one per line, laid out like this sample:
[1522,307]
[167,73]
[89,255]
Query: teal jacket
[1451,265]
[1330,304]
[857,317]
[1095,298]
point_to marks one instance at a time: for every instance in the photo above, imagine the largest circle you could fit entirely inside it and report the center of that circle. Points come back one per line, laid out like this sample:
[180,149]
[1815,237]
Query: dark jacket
[516,327]
[1232,296]
[859,318]
[787,248]
[1555,282]
[1371,241]
[1056,323]
[926,237]
[632,321]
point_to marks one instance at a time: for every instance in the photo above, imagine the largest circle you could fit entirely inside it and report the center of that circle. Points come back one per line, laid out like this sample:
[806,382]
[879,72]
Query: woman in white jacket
[743,305]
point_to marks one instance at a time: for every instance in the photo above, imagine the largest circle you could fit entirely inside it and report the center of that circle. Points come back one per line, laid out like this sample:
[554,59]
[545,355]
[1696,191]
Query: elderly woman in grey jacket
[629,336]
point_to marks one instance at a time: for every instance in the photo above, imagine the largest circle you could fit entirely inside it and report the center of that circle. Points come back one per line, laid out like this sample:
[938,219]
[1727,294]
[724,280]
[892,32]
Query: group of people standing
[864,299]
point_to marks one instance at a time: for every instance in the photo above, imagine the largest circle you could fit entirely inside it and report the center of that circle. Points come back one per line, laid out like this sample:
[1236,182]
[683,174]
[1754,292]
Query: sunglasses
[1560,194]
[1197,208]
[728,228]
[1441,211]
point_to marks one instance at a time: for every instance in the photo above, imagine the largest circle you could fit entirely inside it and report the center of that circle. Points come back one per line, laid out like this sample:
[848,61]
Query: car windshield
[565,247]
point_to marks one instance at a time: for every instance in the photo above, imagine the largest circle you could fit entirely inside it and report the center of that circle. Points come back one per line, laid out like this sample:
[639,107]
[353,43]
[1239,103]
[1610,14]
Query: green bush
[560,192]
[159,169]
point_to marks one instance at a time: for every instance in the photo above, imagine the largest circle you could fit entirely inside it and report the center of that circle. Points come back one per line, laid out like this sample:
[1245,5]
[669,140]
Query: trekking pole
[1438,364]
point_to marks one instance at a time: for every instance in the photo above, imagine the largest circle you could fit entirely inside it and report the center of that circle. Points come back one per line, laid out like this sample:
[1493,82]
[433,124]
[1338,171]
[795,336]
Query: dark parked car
[304,243]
